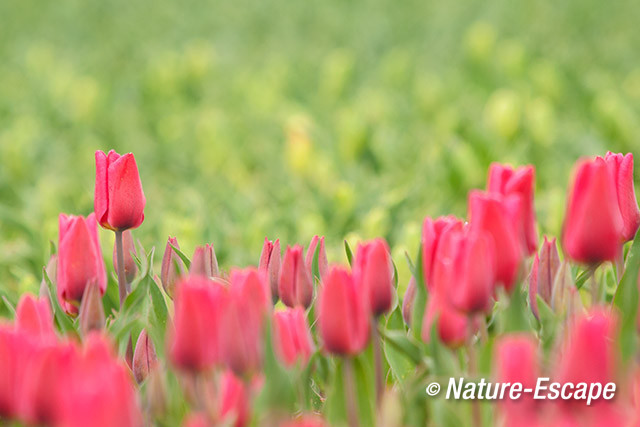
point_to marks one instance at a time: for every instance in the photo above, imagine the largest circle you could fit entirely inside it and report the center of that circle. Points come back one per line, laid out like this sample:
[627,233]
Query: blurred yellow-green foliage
[277,118]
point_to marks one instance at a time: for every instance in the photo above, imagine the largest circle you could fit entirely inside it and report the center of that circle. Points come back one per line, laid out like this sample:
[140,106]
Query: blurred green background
[286,119]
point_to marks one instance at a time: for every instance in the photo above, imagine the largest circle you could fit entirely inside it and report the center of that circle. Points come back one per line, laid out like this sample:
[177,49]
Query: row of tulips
[466,296]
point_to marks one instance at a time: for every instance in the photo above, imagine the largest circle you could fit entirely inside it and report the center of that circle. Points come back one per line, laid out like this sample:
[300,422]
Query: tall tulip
[593,226]
[295,286]
[269,265]
[622,167]
[79,260]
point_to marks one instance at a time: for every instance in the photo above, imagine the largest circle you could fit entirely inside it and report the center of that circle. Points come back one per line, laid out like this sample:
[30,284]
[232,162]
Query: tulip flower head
[622,168]
[144,357]
[204,261]
[234,400]
[269,265]
[34,317]
[295,286]
[172,267]
[323,264]
[431,232]
[373,275]
[119,200]
[292,338]
[543,273]
[79,260]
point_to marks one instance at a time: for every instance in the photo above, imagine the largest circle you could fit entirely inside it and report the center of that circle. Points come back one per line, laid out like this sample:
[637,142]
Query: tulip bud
[373,275]
[269,265]
[343,316]
[156,393]
[172,267]
[622,168]
[34,318]
[91,310]
[204,262]
[506,181]
[431,232]
[323,264]
[249,285]
[295,286]
[543,273]
[407,302]
[452,326]
[292,338]
[234,400]
[79,260]
[144,357]
[119,200]
[516,361]
[194,342]
[593,226]
[129,247]
[490,213]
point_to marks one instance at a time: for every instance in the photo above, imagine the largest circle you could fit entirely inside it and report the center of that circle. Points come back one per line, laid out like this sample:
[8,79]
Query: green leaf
[626,300]
[183,257]
[514,317]
[420,301]
[336,403]
[347,249]
[548,324]
[404,344]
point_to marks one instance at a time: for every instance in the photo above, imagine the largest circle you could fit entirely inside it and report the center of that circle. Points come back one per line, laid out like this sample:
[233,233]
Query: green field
[287,119]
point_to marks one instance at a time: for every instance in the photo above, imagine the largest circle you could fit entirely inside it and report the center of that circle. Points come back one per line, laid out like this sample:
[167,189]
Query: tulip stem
[350,392]
[476,414]
[123,287]
[377,356]
[593,284]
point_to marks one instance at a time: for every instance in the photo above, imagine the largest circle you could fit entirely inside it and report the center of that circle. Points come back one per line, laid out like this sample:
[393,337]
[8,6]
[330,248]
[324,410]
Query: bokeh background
[277,118]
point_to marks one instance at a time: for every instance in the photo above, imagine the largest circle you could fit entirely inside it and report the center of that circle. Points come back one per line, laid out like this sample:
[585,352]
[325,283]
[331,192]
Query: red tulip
[269,265]
[323,264]
[490,213]
[463,272]
[119,200]
[543,273]
[79,260]
[520,182]
[234,400]
[292,338]
[172,267]
[144,357]
[34,318]
[622,167]
[593,225]
[295,286]
[343,316]
[204,261]
[516,361]
[452,327]
[250,286]
[431,232]
[194,342]
[130,266]
[373,275]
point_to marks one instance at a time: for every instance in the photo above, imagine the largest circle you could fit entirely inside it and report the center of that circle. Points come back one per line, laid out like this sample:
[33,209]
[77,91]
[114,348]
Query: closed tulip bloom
[543,273]
[431,232]
[452,326]
[292,338]
[79,260]
[490,213]
[622,167]
[91,315]
[373,275]
[520,182]
[15,349]
[144,357]
[593,226]
[234,400]
[323,264]
[119,200]
[269,265]
[34,318]
[204,261]
[249,285]
[172,267]
[343,316]
[464,269]
[130,266]
[194,342]
[295,286]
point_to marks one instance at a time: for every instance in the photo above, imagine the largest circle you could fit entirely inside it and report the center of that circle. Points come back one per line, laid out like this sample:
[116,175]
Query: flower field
[319,214]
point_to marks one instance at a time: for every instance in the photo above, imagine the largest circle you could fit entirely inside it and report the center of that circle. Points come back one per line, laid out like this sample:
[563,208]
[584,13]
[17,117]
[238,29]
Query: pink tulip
[119,200]
[622,167]
[373,275]
[431,232]
[543,273]
[343,316]
[196,420]
[34,318]
[234,400]
[241,332]
[194,342]
[15,350]
[323,264]
[593,226]
[144,357]
[292,338]
[305,421]
[130,266]
[452,327]
[490,213]
[204,261]
[269,265]
[504,180]
[79,260]
[172,267]
[295,286]
[251,286]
